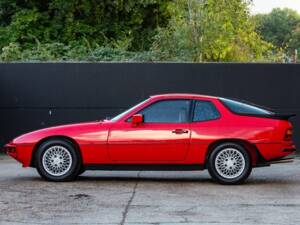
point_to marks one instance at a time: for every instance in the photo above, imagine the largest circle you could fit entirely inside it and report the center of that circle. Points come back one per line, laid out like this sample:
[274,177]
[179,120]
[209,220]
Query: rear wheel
[57,160]
[229,163]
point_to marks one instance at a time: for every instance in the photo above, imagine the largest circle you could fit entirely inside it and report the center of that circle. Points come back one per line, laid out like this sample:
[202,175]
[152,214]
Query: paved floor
[271,196]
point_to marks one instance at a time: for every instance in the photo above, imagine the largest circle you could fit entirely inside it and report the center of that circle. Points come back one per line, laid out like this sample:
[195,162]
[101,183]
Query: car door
[163,137]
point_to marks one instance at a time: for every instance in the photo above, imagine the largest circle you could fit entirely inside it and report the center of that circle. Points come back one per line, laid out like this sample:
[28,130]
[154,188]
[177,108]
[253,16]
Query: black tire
[81,171]
[222,174]
[73,167]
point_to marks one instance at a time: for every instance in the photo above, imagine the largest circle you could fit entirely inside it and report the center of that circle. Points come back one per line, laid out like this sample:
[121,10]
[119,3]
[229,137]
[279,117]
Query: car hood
[70,130]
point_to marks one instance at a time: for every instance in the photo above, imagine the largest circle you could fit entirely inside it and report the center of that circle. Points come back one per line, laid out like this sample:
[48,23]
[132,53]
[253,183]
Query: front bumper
[20,152]
[11,150]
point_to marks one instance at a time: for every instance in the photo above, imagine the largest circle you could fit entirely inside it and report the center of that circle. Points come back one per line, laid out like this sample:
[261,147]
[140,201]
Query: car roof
[183,95]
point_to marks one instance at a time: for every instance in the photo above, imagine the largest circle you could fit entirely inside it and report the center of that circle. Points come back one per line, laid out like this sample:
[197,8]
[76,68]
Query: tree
[210,30]
[278,27]
[294,42]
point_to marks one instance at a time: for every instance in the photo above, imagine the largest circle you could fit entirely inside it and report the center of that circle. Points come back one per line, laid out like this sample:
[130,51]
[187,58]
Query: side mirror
[137,119]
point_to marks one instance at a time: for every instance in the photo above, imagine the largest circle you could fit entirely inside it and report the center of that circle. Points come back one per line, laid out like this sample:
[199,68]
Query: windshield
[128,110]
[244,108]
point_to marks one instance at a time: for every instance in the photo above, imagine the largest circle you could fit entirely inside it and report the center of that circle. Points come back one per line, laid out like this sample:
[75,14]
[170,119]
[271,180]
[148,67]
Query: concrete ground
[270,196]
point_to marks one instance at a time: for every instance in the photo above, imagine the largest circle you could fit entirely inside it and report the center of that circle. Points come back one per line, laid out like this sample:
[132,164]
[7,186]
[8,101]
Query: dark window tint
[205,110]
[244,108]
[171,111]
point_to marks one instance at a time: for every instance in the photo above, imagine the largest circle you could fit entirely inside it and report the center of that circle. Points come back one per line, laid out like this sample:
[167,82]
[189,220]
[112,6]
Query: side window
[167,111]
[204,111]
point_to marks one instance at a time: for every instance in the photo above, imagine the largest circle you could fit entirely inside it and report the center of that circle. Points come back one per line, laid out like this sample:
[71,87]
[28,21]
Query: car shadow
[199,180]
[142,179]
[155,177]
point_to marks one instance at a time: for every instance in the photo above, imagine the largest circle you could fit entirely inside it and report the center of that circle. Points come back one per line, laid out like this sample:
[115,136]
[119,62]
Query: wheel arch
[254,154]
[55,137]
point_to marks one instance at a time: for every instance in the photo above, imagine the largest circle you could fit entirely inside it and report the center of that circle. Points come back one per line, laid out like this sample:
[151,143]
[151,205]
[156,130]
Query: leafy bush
[11,52]
[61,52]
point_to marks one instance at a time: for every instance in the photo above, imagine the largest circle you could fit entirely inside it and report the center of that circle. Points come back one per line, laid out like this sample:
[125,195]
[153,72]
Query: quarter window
[167,111]
[244,108]
[204,111]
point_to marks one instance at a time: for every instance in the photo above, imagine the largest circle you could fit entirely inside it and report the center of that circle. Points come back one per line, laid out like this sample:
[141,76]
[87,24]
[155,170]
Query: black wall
[36,95]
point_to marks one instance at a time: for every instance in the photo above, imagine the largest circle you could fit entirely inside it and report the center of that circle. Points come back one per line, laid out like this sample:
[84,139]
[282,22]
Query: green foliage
[210,30]
[11,52]
[61,52]
[280,27]
[66,21]
[294,42]
[144,30]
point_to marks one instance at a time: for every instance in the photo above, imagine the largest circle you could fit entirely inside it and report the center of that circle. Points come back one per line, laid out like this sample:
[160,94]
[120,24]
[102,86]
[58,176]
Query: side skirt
[150,167]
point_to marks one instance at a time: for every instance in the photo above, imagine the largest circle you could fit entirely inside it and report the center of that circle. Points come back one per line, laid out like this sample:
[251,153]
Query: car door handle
[180,131]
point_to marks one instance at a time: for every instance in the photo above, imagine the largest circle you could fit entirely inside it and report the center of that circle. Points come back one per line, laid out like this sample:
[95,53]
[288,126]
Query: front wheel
[229,163]
[57,160]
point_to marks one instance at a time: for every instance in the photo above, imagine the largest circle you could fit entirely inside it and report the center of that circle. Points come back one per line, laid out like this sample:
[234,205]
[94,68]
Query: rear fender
[251,148]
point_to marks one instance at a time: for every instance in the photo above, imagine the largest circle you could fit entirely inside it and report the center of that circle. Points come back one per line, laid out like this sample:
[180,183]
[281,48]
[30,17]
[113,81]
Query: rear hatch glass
[240,107]
[249,109]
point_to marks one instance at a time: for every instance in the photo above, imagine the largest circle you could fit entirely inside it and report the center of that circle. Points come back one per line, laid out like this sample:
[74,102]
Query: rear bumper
[291,150]
[287,159]
[283,160]
[274,151]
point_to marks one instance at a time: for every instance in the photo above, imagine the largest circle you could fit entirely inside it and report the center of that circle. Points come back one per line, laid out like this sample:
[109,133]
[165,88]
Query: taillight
[288,134]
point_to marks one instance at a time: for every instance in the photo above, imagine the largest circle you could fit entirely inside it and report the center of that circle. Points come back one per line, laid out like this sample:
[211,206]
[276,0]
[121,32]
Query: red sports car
[164,132]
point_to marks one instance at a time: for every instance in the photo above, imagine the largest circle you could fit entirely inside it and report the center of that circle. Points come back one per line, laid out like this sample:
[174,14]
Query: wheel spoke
[230,163]
[57,160]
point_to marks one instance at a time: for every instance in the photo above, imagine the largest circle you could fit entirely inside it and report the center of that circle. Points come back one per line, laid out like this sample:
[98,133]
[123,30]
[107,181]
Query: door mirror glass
[137,119]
